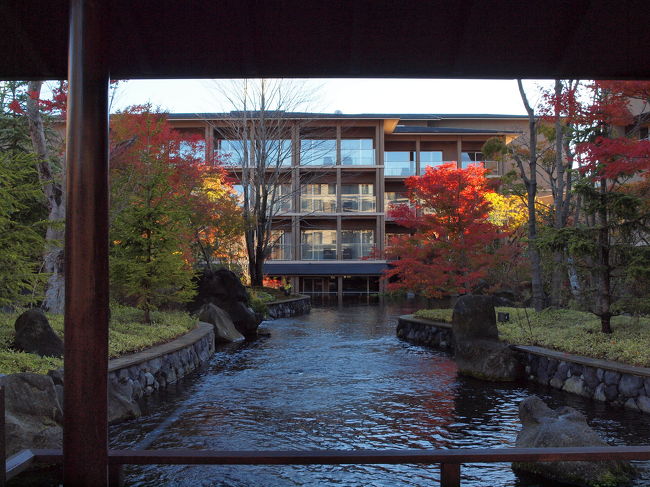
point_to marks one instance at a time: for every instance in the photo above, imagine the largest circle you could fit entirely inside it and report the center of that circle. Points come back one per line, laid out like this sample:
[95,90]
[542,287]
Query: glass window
[358,152]
[356,244]
[358,197]
[273,153]
[317,152]
[399,163]
[318,198]
[281,200]
[193,148]
[281,249]
[393,198]
[469,158]
[318,244]
[430,158]
[278,153]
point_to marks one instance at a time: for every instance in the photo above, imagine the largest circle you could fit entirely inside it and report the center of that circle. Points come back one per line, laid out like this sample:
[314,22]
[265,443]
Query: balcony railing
[401,168]
[358,203]
[318,251]
[355,251]
[318,204]
[358,157]
[281,252]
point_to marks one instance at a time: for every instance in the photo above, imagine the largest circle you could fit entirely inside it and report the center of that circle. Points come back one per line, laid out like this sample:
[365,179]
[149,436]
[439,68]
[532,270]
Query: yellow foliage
[507,211]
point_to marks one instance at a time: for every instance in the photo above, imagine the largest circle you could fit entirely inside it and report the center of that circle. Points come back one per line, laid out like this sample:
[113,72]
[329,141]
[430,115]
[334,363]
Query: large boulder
[224,328]
[477,350]
[224,289]
[565,427]
[33,415]
[35,335]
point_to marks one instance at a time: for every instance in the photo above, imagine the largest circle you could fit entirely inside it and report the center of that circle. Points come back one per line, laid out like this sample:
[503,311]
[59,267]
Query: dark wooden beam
[85,433]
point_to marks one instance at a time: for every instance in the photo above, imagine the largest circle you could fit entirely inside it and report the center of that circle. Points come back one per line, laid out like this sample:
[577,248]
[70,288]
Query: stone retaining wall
[601,380]
[424,332]
[140,374]
[290,307]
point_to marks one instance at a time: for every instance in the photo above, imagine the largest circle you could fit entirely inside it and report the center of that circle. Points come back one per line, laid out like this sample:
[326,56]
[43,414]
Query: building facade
[340,174]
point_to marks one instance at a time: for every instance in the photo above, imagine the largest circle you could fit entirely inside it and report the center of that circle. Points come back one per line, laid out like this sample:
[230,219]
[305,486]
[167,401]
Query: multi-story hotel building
[341,178]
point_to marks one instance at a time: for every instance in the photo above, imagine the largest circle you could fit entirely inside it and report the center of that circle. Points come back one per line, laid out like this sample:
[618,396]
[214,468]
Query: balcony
[281,252]
[318,204]
[358,203]
[318,251]
[356,251]
[357,152]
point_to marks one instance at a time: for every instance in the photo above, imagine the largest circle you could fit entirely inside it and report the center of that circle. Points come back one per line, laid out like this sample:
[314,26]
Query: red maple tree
[451,242]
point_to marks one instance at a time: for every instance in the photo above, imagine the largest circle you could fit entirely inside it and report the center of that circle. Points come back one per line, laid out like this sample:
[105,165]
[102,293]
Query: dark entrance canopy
[340,38]
[90,41]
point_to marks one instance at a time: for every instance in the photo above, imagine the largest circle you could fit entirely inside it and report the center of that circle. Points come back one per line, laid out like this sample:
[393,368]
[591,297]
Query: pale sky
[348,95]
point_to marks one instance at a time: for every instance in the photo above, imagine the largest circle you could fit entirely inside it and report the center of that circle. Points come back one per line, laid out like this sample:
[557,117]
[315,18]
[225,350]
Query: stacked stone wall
[601,380]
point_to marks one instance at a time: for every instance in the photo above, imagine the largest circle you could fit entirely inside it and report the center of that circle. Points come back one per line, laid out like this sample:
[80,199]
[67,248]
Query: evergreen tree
[21,238]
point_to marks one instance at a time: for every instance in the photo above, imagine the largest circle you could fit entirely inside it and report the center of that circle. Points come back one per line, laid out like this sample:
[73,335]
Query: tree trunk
[531,187]
[53,257]
[603,269]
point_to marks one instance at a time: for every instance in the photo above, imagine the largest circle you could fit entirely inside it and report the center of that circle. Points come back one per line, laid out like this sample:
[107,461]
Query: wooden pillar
[459,152]
[85,433]
[449,475]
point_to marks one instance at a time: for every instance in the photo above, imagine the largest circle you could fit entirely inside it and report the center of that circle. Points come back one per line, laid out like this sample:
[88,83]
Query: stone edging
[290,307]
[611,382]
[140,374]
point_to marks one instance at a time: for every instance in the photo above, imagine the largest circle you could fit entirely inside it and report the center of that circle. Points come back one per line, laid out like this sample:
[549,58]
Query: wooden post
[85,434]
[450,475]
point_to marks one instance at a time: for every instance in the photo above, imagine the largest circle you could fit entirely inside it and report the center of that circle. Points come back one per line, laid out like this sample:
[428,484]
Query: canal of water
[338,378]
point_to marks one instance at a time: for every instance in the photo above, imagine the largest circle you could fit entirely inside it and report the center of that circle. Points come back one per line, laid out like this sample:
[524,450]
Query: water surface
[340,379]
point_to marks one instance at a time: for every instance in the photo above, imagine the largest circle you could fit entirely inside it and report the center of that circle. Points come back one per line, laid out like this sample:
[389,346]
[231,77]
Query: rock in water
[224,328]
[35,335]
[34,416]
[224,289]
[565,427]
[477,349]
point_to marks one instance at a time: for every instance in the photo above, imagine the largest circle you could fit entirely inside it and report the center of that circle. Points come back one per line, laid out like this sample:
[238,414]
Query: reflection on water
[339,379]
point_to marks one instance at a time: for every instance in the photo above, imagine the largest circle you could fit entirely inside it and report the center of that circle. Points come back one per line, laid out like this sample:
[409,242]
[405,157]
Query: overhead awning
[325,268]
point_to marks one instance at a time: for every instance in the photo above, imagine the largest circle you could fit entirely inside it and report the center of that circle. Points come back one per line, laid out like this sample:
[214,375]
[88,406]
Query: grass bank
[571,332]
[126,335]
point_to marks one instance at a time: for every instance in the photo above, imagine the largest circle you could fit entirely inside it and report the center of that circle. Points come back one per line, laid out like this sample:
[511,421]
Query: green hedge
[571,332]
[126,335]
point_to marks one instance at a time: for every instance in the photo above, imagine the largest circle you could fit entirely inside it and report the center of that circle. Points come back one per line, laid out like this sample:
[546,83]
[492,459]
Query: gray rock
[556,383]
[599,393]
[591,377]
[631,404]
[646,386]
[488,360]
[600,373]
[610,377]
[562,371]
[34,416]
[575,385]
[224,289]
[224,328]
[35,335]
[474,319]
[565,427]
[630,385]
[477,350]
[643,403]
[575,369]
[121,404]
[611,392]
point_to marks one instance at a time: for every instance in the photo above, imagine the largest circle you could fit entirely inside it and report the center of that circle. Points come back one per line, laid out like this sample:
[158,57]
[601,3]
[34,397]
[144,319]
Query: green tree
[150,257]
[21,238]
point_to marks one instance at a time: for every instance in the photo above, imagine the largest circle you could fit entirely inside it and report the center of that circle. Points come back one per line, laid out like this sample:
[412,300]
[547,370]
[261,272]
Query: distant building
[341,180]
